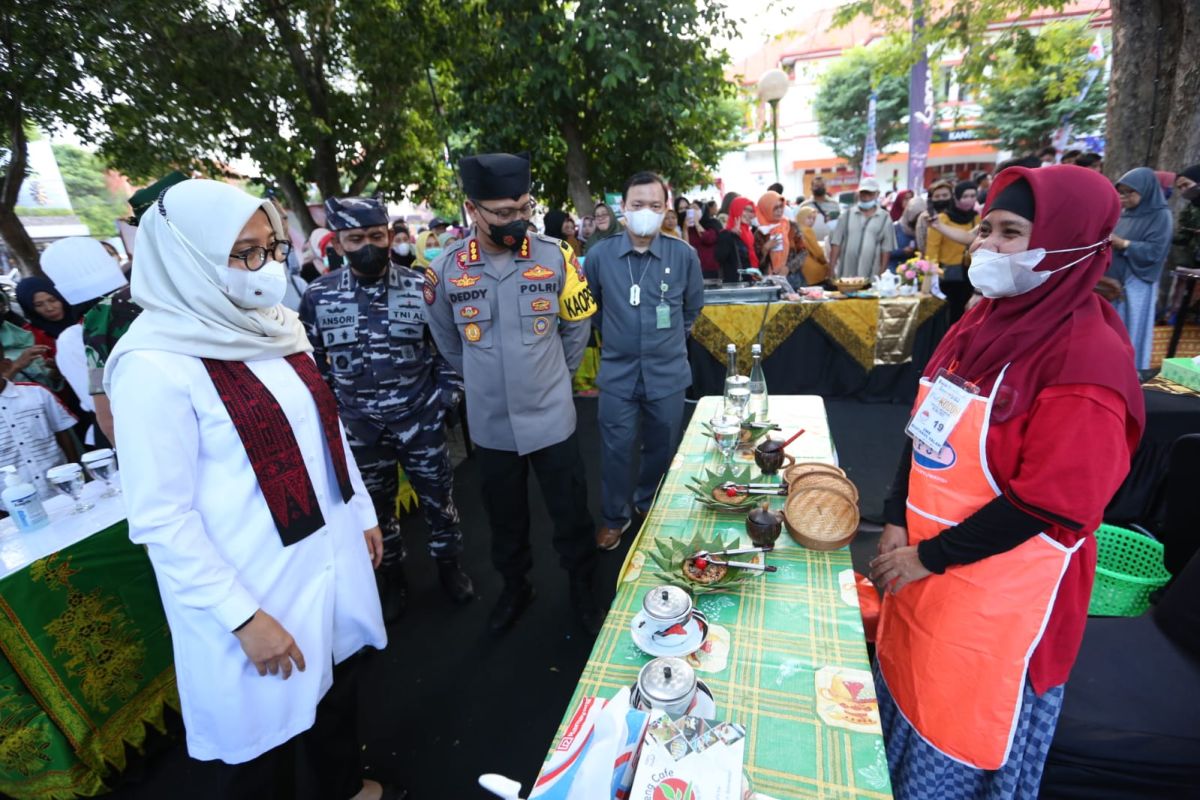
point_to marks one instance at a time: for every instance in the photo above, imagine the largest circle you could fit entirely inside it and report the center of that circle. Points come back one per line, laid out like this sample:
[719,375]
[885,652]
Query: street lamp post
[772,86]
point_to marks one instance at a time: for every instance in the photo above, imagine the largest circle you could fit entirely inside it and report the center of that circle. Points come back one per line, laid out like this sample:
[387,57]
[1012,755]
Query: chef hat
[81,269]
[494,176]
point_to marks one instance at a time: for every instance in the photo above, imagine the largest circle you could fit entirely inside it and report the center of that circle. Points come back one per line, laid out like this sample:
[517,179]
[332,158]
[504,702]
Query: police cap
[492,176]
[342,214]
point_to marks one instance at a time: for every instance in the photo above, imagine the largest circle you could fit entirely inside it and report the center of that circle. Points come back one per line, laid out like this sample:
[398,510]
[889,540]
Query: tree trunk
[14,233]
[297,200]
[1153,119]
[1180,146]
[577,169]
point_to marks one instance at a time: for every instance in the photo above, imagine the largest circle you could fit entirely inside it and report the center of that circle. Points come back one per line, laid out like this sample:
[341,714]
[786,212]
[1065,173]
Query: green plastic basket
[1129,566]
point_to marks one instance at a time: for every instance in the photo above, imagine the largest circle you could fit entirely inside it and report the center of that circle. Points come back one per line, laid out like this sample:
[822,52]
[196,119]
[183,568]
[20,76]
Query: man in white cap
[860,244]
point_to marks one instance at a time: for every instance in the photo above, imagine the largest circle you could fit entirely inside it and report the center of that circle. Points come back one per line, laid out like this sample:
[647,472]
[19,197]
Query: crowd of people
[290,379]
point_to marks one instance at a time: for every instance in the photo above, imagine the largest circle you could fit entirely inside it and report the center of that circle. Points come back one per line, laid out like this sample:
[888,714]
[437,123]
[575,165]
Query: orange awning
[975,150]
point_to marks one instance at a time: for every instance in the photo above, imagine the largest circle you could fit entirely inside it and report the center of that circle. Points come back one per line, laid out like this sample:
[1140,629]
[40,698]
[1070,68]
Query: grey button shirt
[515,327]
[633,346]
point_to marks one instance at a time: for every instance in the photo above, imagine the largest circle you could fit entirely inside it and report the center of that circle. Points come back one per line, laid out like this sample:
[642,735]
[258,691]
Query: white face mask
[643,222]
[402,249]
[263,288]
[998,275]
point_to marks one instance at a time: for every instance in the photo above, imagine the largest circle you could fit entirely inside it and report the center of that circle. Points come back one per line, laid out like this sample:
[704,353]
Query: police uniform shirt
[29,418]
[515,327]
[635,347]
[369,341]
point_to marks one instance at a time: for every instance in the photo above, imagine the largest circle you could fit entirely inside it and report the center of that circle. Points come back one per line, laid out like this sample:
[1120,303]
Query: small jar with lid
[666,606]
[668,684]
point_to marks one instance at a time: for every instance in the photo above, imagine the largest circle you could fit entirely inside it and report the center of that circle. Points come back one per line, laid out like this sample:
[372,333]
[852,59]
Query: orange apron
[954,648]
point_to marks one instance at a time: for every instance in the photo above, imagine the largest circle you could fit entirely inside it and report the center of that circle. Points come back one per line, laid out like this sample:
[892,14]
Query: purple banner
[922,115]
[870,150]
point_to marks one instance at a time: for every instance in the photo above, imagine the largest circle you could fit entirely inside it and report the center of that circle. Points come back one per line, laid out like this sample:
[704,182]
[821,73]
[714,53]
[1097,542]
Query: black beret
[493,176]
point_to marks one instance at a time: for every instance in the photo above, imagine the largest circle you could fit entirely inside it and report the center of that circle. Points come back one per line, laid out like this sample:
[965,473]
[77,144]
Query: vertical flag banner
[870,150]
[1095,57]
[921,113]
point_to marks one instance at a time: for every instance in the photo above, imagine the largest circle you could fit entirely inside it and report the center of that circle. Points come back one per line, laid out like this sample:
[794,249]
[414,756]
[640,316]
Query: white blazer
[194,501]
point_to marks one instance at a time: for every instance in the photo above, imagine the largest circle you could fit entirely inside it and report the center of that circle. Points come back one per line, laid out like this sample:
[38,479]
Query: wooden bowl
[805,467]
[821,518]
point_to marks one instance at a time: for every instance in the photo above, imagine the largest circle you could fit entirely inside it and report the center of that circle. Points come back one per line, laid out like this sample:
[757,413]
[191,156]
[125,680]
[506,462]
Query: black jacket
[732,255]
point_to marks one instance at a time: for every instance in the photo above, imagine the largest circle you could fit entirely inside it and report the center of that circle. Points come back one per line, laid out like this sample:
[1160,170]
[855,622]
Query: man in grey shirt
[649,290]
[509,310]
[862,241]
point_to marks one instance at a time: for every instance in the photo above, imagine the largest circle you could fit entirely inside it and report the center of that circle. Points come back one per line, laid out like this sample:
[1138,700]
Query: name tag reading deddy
[940,412]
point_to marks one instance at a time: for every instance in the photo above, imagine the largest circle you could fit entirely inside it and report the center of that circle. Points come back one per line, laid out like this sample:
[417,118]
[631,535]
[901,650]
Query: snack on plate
[709,574]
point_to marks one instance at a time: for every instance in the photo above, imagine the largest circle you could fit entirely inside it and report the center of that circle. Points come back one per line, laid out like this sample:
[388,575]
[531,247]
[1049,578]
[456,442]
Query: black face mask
[818,191]
[369,261]
[510,235]
[941,205]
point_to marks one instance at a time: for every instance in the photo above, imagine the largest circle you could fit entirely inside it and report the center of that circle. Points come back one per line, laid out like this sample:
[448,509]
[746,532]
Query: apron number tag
[936,417]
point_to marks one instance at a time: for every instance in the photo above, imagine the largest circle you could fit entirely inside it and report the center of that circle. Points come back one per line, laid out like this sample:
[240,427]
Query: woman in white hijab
[238,479]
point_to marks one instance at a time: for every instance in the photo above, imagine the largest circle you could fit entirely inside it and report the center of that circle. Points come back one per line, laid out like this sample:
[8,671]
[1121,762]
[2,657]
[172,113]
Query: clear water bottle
[737,387]
[758,387]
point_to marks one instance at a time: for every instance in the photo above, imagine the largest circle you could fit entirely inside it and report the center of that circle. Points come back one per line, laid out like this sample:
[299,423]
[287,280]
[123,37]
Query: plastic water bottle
[758,387]
[22,502]
[737,387]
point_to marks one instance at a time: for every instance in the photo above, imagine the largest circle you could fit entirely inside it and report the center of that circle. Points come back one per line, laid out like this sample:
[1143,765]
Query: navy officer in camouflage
[366,322]
[509,309]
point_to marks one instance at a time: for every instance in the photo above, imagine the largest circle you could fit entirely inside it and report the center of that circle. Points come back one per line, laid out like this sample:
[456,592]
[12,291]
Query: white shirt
[195,502]
[71,360]
[29,417]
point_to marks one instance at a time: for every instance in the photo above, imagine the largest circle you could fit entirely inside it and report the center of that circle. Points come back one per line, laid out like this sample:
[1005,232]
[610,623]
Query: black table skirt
[810,361]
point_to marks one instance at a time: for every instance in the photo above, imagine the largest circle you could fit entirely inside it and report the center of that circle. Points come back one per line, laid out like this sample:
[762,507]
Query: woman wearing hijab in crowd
[48,313]
[28,360]
[814,270]
[238,479]
[775,242]
[606,225]
[427,249]
[560,225]
[948,253]
[899,203]
[670,225]
[702,235]
[735,244]
[987,558]
[1141,242]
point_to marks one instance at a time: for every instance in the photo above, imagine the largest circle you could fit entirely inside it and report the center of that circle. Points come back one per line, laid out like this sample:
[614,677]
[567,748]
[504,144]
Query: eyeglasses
[506,215]
[256,257]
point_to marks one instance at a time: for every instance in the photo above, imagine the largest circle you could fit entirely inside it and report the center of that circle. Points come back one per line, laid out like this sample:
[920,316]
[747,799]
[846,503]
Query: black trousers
[504,477]
[330,747]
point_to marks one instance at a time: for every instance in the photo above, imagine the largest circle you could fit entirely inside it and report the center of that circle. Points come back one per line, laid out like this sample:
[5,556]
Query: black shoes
[583,601]
[514,599]
[456,583]
[393,591]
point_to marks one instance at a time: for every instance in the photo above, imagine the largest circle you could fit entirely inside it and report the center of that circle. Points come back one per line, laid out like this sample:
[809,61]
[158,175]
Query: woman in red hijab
[1024,426]
[899,204]
[735,244]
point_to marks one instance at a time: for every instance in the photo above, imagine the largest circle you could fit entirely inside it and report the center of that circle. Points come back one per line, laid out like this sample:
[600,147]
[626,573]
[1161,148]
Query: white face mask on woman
[263,288]
[998,275]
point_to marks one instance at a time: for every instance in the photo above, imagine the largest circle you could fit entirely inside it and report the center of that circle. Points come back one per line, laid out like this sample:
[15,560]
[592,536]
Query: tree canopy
[93,200]
[598,89]
[843,93]
[1037,80]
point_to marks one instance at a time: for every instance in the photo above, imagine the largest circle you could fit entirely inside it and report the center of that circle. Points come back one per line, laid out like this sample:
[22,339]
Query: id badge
[662,316]
[944,405]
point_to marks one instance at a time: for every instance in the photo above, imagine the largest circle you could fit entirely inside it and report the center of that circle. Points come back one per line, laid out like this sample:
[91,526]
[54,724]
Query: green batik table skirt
[85,666]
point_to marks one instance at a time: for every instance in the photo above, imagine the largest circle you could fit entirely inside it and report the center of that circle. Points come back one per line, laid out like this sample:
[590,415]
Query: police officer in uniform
[367,325]
[509,310]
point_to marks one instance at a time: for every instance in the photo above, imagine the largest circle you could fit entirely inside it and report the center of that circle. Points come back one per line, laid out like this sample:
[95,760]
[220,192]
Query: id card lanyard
[662,312]
[939,414]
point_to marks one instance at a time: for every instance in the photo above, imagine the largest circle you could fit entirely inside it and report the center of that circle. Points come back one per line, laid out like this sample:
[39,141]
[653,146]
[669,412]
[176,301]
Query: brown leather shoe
[610,538]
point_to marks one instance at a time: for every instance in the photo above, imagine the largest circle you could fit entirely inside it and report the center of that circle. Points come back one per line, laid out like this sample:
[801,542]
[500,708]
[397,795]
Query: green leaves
[843,93]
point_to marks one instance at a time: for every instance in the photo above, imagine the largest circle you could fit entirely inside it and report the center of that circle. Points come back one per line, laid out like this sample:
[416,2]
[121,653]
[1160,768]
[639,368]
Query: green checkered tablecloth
[785,655]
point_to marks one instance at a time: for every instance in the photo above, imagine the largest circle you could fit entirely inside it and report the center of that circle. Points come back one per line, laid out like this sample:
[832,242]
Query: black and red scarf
[274,453]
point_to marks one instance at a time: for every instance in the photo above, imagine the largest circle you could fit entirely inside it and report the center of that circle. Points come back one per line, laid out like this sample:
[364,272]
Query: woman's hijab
[615,228]
[736,208]
[912,211]
[707,221]
[553,222]
[1062,332]
[30,286]
[899,203]
[426,240]
[766,205]
[962,216]
[182,243]
[1151,214]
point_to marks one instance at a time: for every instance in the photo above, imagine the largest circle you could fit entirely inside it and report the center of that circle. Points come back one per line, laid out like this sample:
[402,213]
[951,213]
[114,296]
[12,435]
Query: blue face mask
[432,252]
[867,205]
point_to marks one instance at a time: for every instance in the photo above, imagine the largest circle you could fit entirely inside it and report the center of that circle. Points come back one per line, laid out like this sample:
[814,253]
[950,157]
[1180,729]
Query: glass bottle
[758,387]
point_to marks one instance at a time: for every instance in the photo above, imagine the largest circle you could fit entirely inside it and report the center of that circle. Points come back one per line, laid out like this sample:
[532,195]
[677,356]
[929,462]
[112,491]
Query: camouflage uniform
[103,325]
[371,344]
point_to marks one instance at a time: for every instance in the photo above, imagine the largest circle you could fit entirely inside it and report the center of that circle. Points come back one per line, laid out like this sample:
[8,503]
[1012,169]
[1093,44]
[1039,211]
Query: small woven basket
[1129,566]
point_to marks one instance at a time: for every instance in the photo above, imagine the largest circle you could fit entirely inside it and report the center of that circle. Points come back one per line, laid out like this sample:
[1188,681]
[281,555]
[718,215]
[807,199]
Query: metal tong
[706,556]
[777,489]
